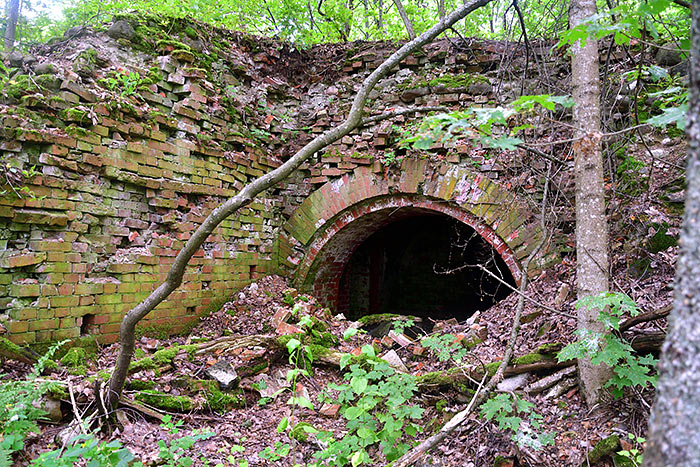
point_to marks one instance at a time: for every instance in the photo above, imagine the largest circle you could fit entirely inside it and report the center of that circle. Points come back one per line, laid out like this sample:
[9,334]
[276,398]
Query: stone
[73,32]
[676,197]
[669,55]
[479,88]
[329,410]
[29,61]
[513,383]
[410,95]
[16,59]
[223,373]
[268,385]
[402,339]
[281,316]
[52,407]
[284,329]
[394,361]
[45,69]
[121,30]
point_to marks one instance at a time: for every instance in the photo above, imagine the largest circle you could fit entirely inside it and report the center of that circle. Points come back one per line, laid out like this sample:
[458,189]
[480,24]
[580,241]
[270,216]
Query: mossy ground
[165,401]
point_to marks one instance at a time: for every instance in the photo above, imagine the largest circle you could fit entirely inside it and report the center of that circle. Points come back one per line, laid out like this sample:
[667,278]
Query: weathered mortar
[123,181]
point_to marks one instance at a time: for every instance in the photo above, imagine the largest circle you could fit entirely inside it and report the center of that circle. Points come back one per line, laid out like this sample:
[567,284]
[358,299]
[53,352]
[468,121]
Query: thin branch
[682,3]
[522,294]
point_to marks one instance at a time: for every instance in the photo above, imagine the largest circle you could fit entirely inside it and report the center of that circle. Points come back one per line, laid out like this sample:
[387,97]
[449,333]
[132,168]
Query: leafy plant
[300,356]
[634,454]
[18,410]
[446,347]
[279,451]
[232,458]
[508,411]
[375,405]
[400,325]
[488,126]
[126,82]
[175,453]
[14,178]
[87,448]
[629,369]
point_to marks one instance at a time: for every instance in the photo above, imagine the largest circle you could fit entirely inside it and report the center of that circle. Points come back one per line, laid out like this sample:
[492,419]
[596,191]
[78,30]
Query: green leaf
[499,404]
[677,115]
[358,384]
[301,402]
[504,143]
[368,350]
[283,424]
[345,359]
[293,344]
[351,413]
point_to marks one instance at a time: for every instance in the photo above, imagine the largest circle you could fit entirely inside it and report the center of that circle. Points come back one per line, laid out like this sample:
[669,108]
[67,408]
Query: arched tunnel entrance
[426,265]
[409,255]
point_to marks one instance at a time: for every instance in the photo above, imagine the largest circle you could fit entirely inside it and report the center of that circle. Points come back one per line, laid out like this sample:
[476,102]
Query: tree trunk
[674,426]
[405,19]
[11,27]
[250,191]
[441,8]
[591,223]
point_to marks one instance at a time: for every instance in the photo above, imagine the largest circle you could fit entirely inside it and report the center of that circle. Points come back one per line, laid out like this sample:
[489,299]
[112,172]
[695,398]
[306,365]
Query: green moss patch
[140,385]
[165,401]
[457,81]
[605,447]
[74,357]
[161,358]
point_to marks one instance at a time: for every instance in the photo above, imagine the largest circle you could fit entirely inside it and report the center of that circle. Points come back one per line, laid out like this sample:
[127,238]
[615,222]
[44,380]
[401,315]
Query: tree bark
[250,191]
[11,27]
[405,19]
[674,426]
[591,223]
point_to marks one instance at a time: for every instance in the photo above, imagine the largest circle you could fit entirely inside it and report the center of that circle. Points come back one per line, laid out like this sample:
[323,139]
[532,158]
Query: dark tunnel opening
[426,266]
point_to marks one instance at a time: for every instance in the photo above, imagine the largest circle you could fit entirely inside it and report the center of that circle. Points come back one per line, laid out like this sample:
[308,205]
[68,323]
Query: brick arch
[321,235]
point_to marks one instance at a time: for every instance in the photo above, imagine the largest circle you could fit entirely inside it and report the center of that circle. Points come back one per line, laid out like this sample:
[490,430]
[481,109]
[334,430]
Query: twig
[519,292]
[76,412]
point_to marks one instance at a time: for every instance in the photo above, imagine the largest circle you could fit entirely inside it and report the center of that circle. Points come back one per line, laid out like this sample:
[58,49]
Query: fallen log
[12,351]
[548,381]
[649,342]
[645,317]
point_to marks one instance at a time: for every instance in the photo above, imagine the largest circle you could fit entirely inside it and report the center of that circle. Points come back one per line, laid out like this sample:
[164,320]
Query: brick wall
[123,180]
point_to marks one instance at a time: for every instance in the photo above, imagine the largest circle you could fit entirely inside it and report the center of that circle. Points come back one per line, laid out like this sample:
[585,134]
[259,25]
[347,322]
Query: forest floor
[253,425]
[244,420]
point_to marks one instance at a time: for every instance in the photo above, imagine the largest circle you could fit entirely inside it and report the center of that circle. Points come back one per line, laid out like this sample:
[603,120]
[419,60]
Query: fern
[18,415]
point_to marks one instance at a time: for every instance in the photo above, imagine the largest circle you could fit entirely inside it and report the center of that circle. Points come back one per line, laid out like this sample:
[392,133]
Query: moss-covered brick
[21,260]
[16,327]
[25,290]
[22,314]
[43,324]
[88,288]
[64,301]
[122,268]
[109,299]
